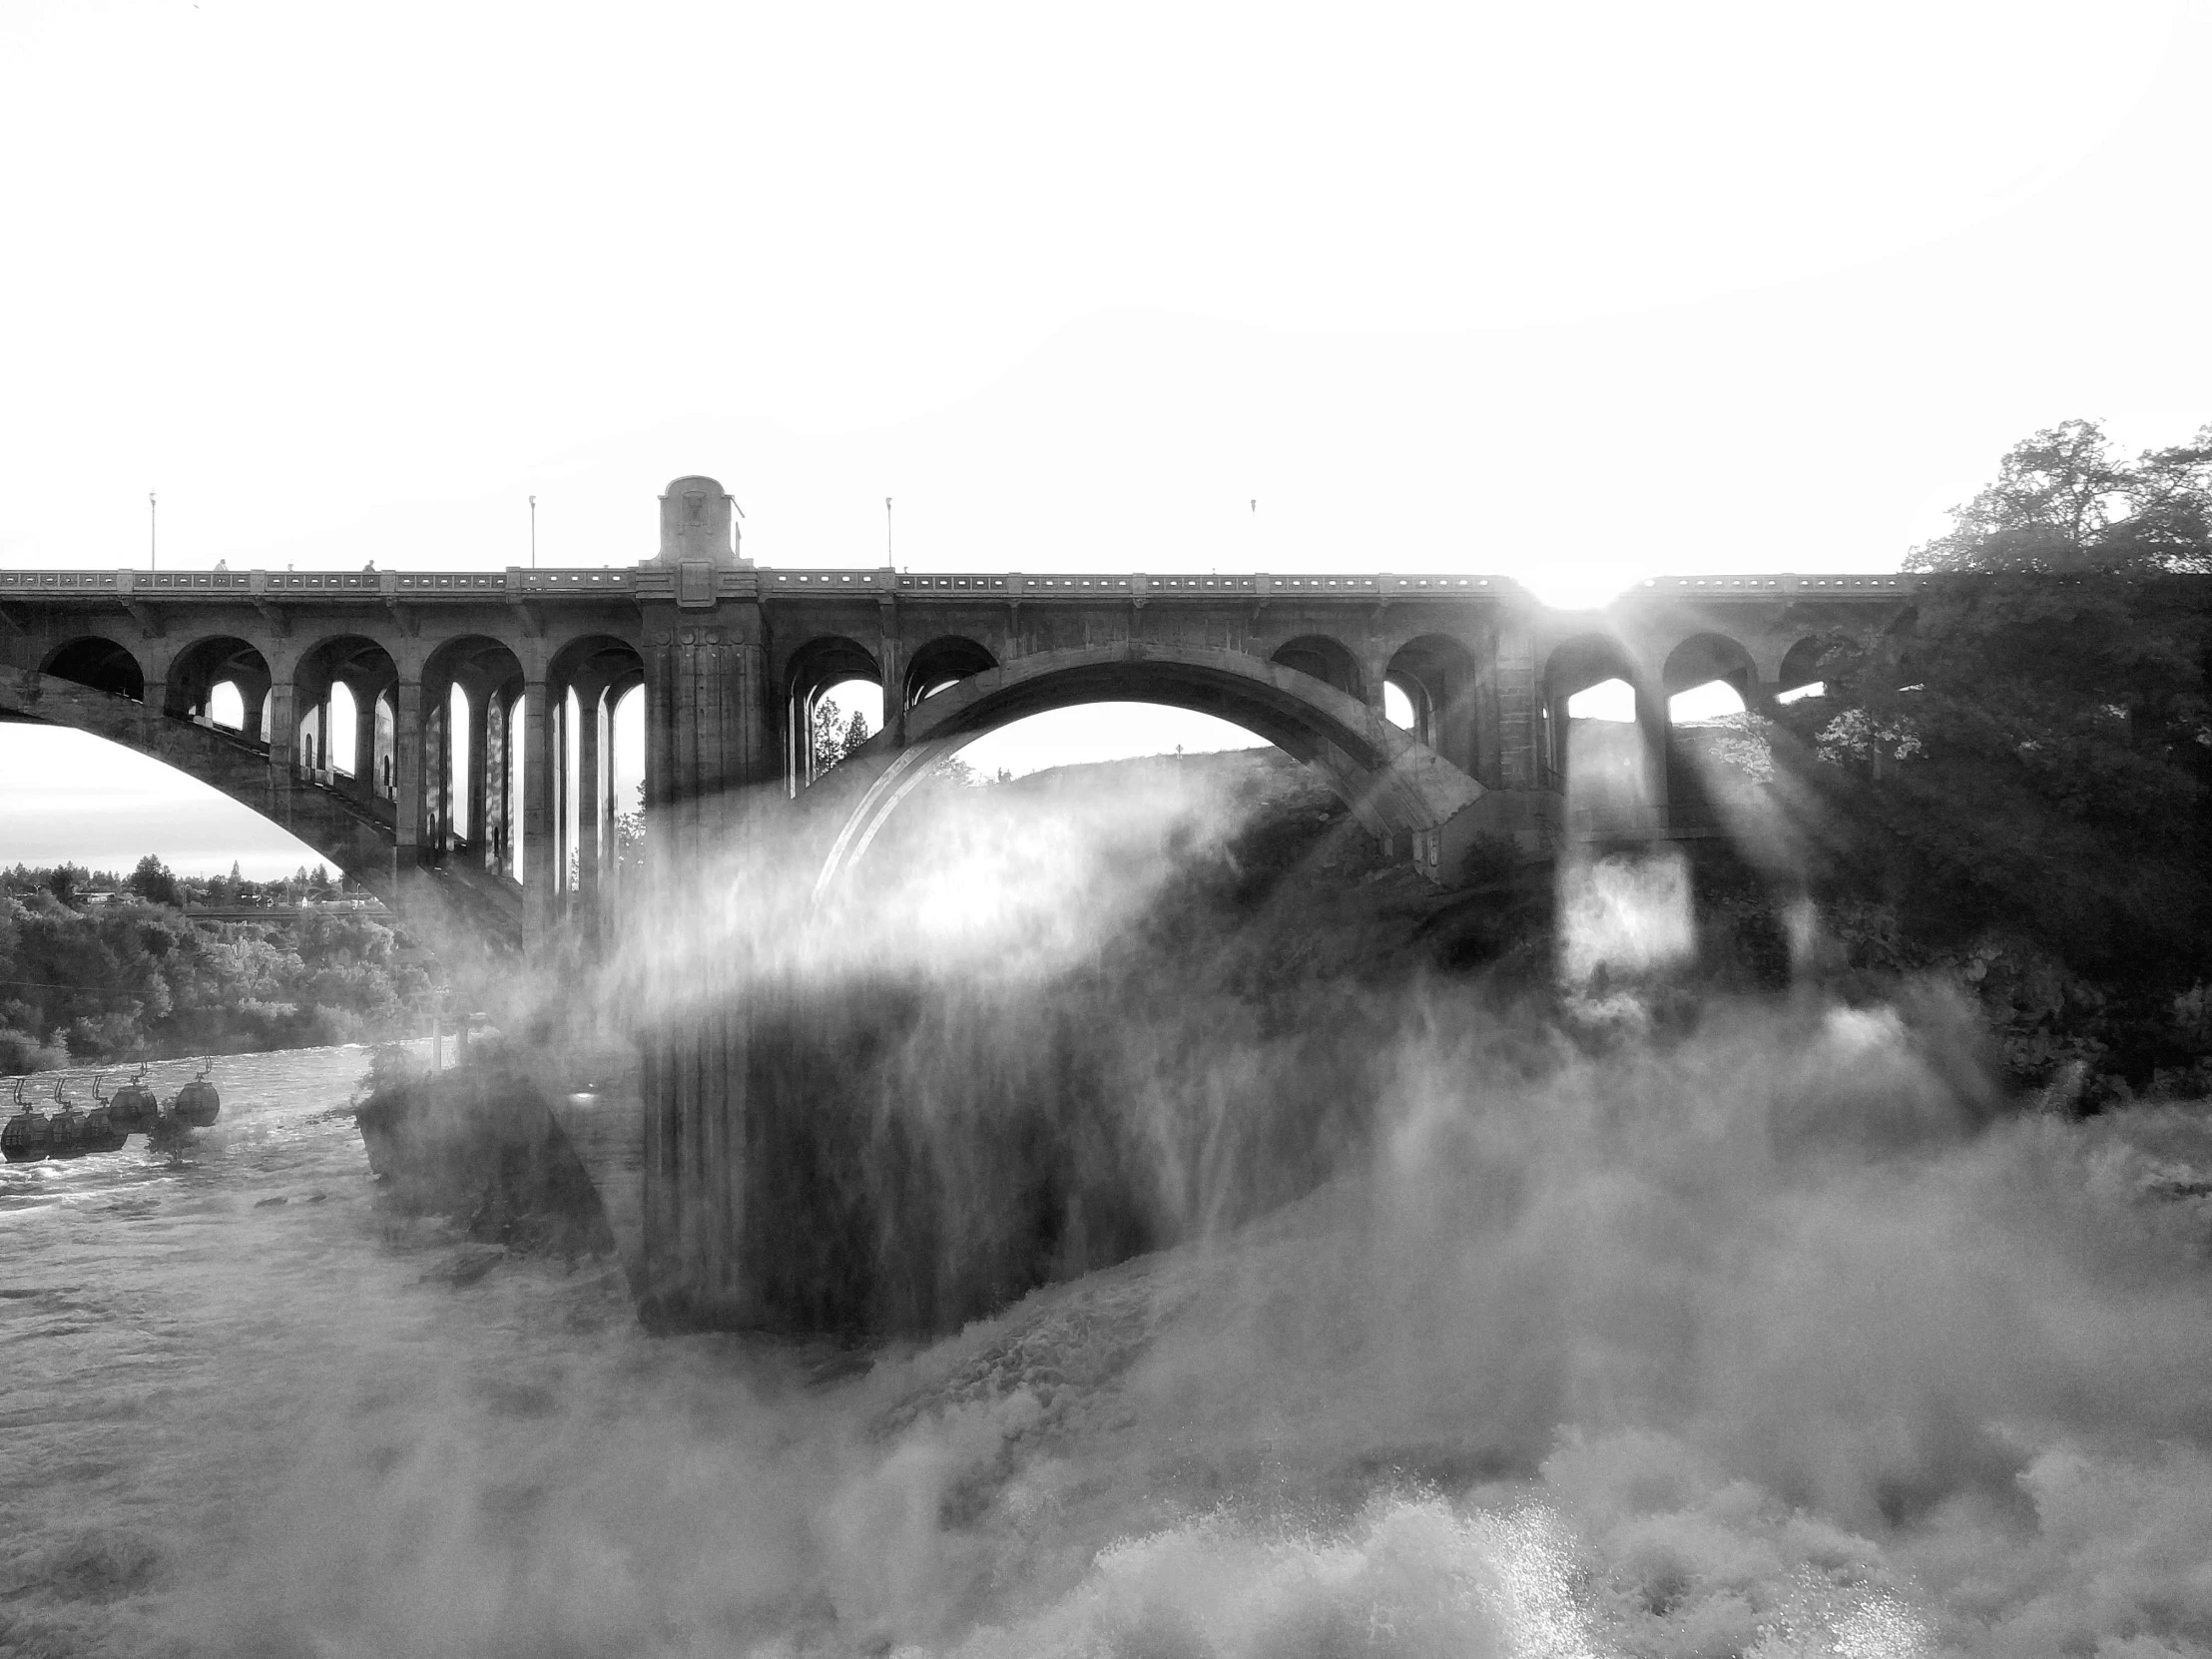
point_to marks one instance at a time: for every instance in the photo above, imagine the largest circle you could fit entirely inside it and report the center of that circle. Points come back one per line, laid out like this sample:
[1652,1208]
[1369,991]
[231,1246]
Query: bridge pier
[282,733]
[709,741]
[1651,727]
[406,853]
[539,848]
[152,707]
[364,783]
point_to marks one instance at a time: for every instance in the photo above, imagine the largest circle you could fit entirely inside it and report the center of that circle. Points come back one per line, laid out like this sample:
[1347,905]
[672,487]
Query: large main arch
[1399,788]
[342,832]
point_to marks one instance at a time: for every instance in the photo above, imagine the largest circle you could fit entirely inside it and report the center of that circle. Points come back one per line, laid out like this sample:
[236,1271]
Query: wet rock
[483,1147]
[464,1267]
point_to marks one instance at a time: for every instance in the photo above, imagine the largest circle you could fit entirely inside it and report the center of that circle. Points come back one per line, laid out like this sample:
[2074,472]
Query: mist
[1362,1301]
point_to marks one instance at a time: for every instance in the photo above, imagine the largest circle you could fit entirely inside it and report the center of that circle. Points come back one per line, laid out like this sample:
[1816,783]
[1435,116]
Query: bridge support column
[364,739]
[707,731]
[1651,726]
[153,710]
[591,789]
[541,847]
[891,662]
[1520,758]
[1375,673]
[693,1078]
[407,742]
[282,734]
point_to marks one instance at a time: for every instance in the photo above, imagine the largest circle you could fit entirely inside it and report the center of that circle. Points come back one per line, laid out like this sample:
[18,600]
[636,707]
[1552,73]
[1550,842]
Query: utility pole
[533,532]
[153,535]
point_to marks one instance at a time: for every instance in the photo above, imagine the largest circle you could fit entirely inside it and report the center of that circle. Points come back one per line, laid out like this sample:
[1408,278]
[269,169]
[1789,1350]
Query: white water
[235,1427]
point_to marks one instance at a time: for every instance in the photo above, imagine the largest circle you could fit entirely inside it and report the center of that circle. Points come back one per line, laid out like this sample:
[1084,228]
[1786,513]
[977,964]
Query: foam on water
[1754,1347]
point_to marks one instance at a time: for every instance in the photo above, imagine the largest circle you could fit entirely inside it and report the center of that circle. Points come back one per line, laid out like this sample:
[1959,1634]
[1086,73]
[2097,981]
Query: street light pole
[533,532]
[153,535]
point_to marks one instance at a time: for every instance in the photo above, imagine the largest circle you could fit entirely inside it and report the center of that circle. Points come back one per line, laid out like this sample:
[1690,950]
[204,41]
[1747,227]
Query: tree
[67,884]
[2028,755]
[834,735]
[151,882]
[2062,502]
[957,773]
[630,836]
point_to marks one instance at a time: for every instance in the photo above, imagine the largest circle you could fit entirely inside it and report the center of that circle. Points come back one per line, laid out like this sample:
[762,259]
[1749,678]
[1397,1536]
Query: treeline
[2014,787]
[154,882]
[94,975]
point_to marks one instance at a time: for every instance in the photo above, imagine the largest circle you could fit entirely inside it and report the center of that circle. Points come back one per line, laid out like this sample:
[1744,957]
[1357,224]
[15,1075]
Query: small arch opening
[944,662]
[345,742]
[198,672]
[1700,705]
[102,665]
[1325,658]
[1595,748]
[821,668]
[227,706]
[388,749]
[460,742]
[337,682]
[844,715]
[512,852]
[1435,677]
[1809,666]
[1610,699]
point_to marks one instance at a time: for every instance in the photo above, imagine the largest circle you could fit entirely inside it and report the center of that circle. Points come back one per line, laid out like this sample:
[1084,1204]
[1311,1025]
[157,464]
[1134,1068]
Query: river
[1668,1396]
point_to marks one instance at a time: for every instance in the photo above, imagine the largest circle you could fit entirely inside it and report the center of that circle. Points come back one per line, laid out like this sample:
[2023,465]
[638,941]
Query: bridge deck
[655,581]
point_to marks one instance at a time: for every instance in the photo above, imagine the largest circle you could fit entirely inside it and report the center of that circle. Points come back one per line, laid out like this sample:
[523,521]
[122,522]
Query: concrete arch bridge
[444,735]
[474,768]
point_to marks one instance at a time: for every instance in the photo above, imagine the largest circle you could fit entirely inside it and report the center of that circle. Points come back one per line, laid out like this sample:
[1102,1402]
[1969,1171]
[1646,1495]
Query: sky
[1571,294]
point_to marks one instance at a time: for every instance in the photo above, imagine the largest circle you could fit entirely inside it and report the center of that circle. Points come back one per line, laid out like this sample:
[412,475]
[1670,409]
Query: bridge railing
[1115,584]
[320,584]
[653,580]
[1878,584]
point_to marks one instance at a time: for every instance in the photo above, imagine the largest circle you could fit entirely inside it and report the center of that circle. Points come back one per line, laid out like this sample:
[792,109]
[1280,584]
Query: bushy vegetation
[95,970]
[2016,785]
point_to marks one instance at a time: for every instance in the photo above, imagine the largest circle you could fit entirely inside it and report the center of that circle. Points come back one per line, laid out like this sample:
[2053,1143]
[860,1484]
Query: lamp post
[153,535]
[533,532]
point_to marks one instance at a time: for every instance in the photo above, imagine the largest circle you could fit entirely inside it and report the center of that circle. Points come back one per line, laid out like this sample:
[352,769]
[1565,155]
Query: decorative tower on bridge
[709,737]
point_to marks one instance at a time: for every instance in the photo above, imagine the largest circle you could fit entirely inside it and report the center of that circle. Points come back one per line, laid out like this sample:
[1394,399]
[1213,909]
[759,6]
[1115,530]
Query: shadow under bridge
[1406,794]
